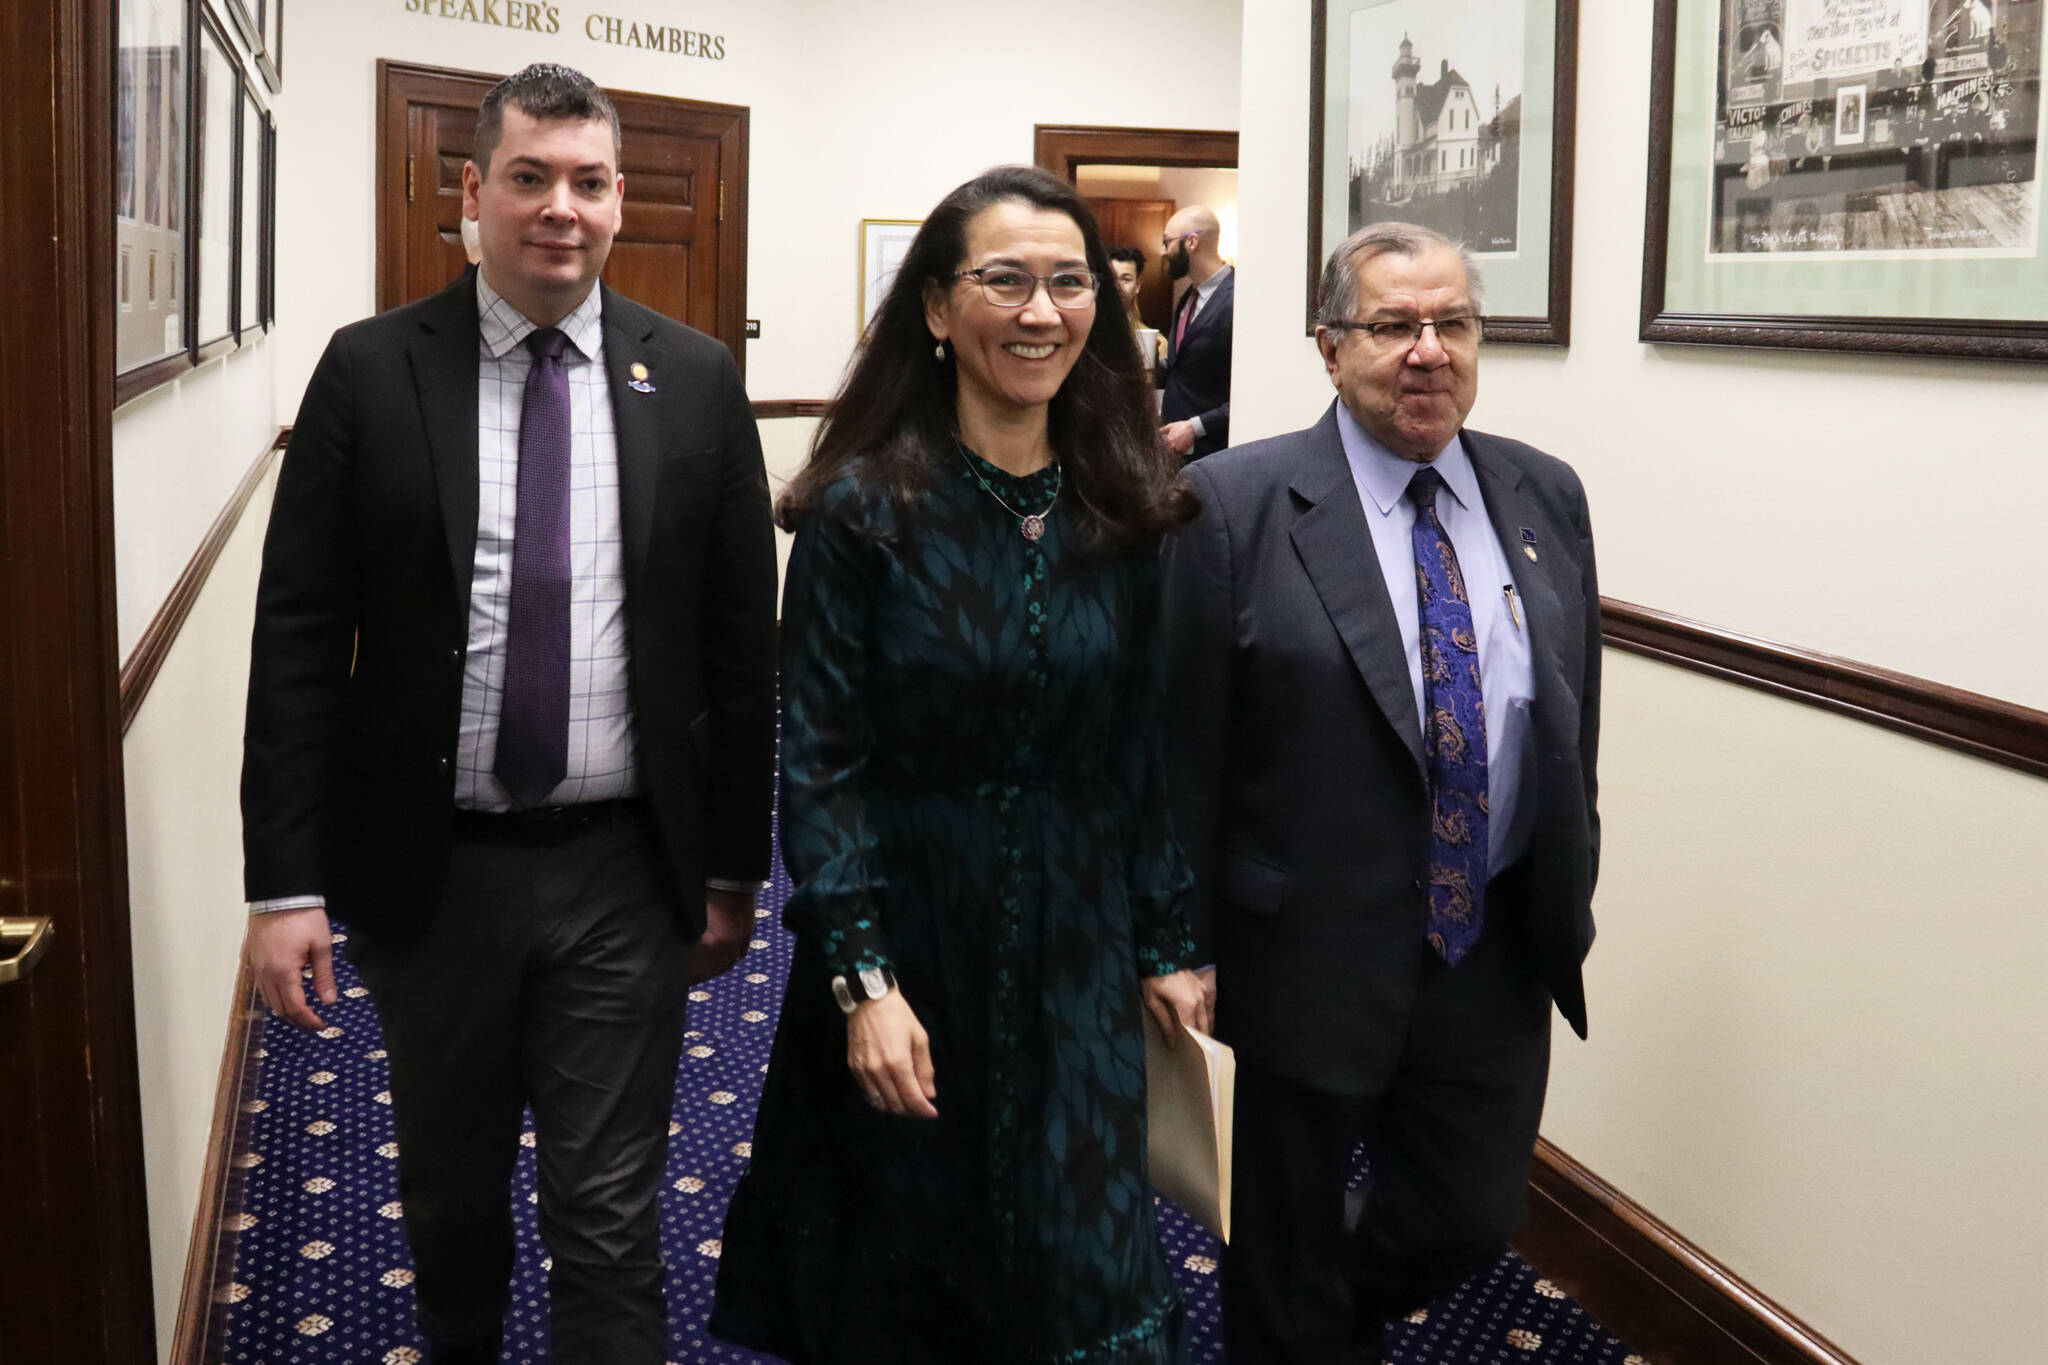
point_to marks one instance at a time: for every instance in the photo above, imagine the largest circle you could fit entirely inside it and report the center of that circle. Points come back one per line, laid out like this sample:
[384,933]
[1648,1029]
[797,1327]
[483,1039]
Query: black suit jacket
[1196,381]
[362,614]
[1299,782]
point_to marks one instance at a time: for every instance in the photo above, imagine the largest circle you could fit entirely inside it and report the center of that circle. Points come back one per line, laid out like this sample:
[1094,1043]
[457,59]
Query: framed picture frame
[151,158]
[269,221]
[250,214]
[1841,176]
[1459,115]
[216,180]
[270,52]
[883,242]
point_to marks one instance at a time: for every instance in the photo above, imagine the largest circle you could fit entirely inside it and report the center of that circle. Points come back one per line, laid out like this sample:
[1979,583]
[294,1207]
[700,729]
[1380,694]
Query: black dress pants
[1449,1122]
[552,974]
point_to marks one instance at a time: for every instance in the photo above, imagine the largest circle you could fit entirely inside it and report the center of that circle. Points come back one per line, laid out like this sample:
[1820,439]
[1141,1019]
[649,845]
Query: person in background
[949,1161]
[1195,398]
[1128,265]
[541,826]
[1384,640]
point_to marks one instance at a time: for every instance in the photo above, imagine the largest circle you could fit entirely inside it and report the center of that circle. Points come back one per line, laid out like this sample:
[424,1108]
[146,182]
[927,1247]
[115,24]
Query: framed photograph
[249,219]
[1847,175]
[269,222]
[270,52]
[883,243]
[1457,115]
[216,124]
[152,71]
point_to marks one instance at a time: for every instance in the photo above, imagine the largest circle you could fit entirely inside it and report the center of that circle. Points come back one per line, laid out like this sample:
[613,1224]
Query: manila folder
[1190,1089]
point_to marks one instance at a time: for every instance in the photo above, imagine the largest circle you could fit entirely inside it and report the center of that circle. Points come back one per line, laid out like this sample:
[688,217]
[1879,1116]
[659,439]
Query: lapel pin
[638,383]
[1529,544]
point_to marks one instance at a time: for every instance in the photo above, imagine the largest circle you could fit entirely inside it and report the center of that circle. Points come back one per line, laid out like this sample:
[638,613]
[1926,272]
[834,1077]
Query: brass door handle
[22,944]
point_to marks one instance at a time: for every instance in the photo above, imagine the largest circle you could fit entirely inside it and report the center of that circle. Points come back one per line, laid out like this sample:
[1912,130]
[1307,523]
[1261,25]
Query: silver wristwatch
[871,983]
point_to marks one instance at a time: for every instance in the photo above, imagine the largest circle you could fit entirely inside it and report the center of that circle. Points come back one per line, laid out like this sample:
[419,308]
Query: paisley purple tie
[533,727]
[1453,732]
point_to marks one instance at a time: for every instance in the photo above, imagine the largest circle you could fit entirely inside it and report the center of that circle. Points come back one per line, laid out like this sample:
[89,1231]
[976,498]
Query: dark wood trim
[1984,727]
[1554,328]
[791,407]
[201,1336]
[1971,338]
[154,646]
[1664,1296]
[74,1255]
[1064,148]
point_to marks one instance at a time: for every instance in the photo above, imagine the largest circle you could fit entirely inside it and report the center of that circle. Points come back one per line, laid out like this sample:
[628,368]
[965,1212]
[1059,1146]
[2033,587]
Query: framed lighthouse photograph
[1456,115]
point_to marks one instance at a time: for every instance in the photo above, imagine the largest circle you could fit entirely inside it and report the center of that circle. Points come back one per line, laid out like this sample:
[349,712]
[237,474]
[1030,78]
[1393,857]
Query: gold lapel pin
[638,382]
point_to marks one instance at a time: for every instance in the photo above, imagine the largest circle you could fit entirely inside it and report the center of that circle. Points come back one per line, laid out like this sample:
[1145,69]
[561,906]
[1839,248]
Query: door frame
[1063,148]
[75,1258]
[395,79]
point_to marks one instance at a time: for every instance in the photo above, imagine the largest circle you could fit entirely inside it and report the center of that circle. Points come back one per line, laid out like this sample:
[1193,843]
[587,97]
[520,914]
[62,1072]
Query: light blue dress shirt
[1507,678]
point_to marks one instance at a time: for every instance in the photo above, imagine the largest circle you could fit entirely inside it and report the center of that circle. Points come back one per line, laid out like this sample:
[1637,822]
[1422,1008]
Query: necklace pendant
[1033,527]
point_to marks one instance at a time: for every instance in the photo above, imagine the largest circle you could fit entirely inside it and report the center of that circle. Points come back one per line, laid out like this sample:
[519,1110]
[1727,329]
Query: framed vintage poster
[1847,175]
[152,66]
[883,242]
[216,123]
[249,220]
[1457,115]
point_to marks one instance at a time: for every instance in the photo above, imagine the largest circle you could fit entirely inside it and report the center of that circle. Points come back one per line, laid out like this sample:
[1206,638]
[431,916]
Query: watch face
[874,983]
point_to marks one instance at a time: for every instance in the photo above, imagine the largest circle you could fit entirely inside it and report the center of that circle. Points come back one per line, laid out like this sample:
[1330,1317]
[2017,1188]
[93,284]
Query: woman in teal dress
[949,1161]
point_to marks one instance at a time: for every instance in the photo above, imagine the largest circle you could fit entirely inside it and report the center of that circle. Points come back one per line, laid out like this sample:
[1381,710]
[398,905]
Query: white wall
[184,758]
[179,452]
[870,110]
[1816,1015]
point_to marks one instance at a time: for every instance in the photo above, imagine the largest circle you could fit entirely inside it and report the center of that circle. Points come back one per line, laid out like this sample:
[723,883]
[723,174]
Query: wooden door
[74,1235]
[1141,223]
[681,251]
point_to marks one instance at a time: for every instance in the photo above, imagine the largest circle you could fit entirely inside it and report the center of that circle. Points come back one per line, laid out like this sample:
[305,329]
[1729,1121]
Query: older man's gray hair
[1338,297]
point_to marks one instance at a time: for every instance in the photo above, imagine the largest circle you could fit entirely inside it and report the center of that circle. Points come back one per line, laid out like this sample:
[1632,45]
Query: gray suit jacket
[1299,784]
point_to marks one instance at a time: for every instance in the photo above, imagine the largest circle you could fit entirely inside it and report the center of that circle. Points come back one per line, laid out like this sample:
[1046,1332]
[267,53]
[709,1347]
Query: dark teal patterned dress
[971,794]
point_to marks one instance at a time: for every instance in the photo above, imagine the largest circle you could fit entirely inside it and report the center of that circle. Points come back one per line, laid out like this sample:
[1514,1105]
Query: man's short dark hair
[544,90]
[1128,253]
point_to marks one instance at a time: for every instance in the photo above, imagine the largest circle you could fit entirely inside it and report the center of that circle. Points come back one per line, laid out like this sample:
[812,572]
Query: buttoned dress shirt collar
[502,326]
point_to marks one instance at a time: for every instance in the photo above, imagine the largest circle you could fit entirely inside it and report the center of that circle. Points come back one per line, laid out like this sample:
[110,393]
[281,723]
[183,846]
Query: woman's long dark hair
[896,412]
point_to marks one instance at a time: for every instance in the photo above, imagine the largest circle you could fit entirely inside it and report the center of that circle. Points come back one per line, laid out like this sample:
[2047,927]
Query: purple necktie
[533,728]
[1453,732]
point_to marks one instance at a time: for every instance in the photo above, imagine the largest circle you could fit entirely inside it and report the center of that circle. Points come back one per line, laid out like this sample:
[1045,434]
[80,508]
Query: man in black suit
[1392,906]
[1195,401]
[511,716]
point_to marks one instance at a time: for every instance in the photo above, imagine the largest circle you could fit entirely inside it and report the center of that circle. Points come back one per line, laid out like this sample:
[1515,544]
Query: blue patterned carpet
[322,1274]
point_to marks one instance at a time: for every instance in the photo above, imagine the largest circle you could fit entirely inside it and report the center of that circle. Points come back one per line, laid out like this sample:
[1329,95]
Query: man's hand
[891,1057]
[280,945]
[1176,1000]
[1179,437]
[728,929]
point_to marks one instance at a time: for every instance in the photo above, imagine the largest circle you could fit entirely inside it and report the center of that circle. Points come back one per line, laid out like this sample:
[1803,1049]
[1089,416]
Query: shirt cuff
[721,884]
[276,903]
[1200,430]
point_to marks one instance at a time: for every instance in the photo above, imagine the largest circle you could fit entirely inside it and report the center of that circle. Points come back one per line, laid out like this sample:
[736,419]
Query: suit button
[442,764]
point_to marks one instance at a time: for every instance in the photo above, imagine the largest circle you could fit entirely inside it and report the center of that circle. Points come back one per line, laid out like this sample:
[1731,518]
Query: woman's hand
[891,1057]
[1175,1000]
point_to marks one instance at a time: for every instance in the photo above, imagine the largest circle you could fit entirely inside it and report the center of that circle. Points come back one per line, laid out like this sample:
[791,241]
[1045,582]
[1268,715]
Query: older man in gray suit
[1384,636]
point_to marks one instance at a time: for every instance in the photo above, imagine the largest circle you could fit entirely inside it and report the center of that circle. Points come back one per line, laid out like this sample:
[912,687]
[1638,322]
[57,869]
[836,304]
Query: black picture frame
[151,136]
[1550,325]
[1916,89]
[214,274]
[270,51]
[250,214]
[269,221]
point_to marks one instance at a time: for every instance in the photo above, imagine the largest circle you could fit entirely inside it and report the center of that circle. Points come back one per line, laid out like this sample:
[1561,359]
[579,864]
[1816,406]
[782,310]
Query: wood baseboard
[1664,1296]
[210,1257]
[139,671]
